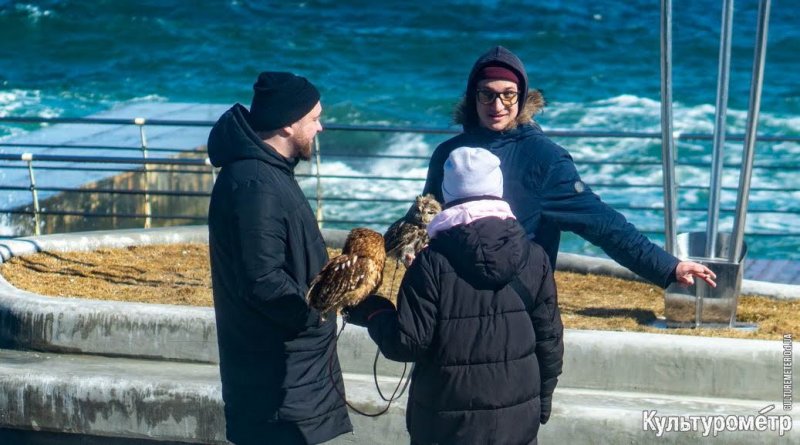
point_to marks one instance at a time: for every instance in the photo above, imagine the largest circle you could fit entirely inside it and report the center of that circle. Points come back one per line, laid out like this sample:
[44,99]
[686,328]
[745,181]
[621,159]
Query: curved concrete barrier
[79,325]
[57,324]
[611,380]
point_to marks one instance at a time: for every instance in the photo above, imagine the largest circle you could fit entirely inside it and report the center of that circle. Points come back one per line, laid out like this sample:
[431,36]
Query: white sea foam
[26,103]
[155,98]
[13,100]
[412,171]
[34,12]
[632,113]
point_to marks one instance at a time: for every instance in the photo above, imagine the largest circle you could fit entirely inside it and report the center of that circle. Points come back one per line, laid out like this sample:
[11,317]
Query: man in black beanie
[280,374]
[281,99]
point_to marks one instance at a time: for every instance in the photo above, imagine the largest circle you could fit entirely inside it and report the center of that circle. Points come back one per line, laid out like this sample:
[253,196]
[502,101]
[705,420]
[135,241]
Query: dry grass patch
[607,303]
[179,274]
[170,274]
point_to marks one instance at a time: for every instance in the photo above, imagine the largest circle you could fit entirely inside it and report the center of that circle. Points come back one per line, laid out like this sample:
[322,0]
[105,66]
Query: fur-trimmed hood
[533,102]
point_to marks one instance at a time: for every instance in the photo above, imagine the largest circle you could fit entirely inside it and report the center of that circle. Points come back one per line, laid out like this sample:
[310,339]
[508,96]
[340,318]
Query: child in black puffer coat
[478,313]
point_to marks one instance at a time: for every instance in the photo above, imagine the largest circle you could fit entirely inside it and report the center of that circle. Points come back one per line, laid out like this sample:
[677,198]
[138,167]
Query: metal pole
[737,239]
[140,121]
[36,218]
[721,111]
[319,180]
[667,141]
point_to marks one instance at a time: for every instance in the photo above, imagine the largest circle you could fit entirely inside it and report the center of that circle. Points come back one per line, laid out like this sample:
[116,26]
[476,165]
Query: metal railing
[30,158]
[200,165]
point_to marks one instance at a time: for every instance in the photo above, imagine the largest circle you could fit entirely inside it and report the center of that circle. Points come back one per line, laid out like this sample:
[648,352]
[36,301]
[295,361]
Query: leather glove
[361,313]
[547,406]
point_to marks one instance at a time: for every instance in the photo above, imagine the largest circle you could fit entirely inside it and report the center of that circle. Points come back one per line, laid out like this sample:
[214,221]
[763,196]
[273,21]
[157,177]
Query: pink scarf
[468,212]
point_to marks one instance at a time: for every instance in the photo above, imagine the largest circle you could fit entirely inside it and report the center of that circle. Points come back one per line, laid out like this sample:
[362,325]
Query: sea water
[405,63]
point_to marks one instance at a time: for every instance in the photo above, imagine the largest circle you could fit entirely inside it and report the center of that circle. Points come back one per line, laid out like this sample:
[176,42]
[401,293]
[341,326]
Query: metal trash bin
[700,305]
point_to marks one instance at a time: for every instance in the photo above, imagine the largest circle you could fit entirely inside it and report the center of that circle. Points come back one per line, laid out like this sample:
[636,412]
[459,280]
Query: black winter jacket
[265,249]
[482,364]
[546,193]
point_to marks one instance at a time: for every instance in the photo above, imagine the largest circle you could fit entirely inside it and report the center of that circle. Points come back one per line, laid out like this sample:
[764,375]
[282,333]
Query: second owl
[408,235]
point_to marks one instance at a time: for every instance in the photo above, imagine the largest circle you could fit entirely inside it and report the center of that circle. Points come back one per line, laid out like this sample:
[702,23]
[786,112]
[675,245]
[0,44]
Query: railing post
[721,111]
[319,180]
[667,137]
[140,121]
[737,239]
[28,157]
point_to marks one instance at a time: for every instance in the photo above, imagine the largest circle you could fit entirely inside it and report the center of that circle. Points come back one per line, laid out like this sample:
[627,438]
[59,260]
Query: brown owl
[408,235]
[350,277]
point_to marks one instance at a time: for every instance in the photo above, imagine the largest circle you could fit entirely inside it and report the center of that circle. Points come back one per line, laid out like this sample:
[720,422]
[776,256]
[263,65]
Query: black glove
[547,406]
[360,314]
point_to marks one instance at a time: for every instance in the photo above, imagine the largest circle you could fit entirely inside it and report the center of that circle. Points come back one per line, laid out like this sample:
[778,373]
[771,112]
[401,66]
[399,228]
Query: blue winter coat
[547,196]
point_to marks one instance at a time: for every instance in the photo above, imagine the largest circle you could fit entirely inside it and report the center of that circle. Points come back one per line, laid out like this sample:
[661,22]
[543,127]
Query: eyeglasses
[507,98]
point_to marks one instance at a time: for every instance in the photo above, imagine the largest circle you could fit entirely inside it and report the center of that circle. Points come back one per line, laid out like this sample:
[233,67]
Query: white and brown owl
[408,235]
[350,277]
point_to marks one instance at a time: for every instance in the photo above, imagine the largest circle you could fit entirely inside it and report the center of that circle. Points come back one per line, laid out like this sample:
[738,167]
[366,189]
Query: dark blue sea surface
[404,63]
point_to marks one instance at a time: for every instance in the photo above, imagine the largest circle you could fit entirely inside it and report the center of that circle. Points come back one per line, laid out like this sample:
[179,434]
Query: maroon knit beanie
[497,72]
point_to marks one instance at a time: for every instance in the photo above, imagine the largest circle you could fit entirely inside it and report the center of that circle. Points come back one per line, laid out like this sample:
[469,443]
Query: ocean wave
[26,103]
[626,113]
[150,98]
[362,173]
[33,12]
[633,113]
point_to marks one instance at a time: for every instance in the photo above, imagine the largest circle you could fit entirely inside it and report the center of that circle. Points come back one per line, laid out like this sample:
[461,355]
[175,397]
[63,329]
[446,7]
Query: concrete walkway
[604,395]
[85,371]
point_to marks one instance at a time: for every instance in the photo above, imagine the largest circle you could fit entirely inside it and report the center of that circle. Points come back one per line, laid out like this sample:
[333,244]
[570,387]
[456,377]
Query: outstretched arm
[571,205]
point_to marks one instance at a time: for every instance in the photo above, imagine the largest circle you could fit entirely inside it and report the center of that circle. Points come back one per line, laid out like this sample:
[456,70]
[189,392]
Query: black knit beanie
[280,99]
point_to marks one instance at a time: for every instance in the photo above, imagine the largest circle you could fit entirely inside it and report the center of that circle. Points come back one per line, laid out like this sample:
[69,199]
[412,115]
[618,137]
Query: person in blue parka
[542,184]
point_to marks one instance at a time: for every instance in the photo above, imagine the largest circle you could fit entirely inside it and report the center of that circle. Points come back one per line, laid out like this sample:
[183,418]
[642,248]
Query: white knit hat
[469,172]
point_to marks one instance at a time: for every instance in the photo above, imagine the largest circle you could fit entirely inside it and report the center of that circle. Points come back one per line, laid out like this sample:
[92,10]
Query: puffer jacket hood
[232,139]
[488,251]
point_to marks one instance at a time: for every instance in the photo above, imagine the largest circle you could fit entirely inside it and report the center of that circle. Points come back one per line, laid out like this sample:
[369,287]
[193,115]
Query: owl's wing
[340,277]
[393,238]
[421,240]
[368,280]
